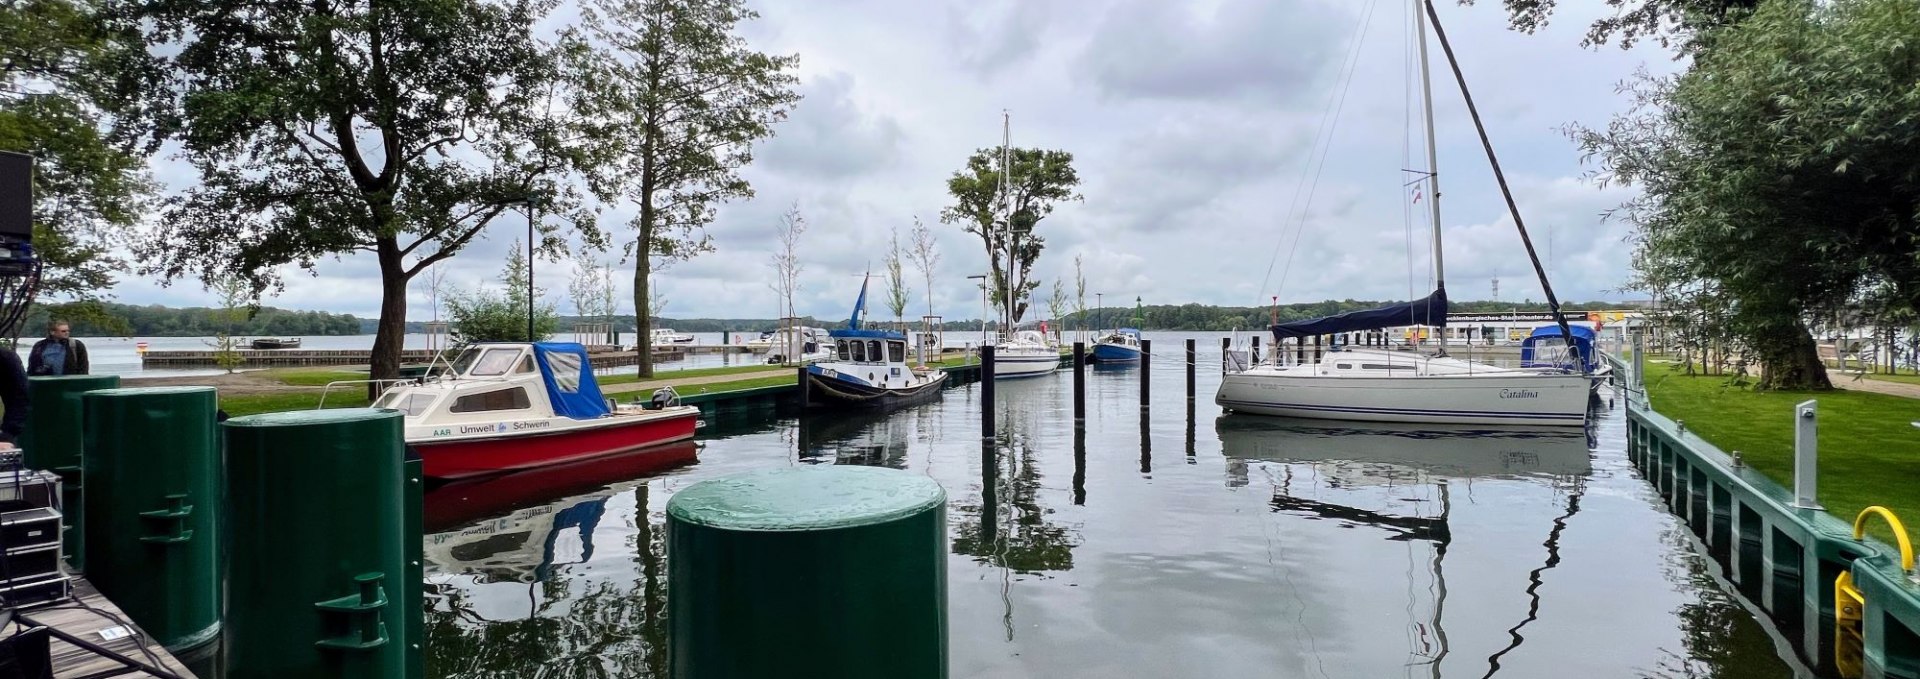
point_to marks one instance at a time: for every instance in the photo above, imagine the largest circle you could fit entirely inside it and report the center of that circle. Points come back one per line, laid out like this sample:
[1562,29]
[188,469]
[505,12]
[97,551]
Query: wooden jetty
[89,618]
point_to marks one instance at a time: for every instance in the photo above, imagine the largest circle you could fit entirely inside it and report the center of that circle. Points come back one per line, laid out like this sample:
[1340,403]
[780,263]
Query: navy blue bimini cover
[1429,311]
[569,378]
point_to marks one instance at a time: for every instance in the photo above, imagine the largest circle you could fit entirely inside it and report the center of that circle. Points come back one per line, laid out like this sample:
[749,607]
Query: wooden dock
[91,618]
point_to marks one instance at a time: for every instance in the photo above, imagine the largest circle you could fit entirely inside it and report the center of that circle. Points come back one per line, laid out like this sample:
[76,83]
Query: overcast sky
[1194,127]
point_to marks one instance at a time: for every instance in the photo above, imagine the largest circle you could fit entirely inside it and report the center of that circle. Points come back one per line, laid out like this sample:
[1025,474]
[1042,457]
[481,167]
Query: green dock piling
[56,432]
[324,493]
[860,551]
[151,466]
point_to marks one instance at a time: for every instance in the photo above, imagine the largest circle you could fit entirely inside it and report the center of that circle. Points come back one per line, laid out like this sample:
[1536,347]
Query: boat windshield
[485,361]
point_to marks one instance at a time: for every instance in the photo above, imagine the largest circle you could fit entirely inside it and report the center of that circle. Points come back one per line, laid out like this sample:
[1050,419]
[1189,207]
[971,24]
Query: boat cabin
[1127,337]
[1547,348]
[870,347]
[489,382]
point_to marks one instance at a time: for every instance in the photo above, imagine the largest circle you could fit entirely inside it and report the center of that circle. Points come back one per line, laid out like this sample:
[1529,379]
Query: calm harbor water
[1179,543]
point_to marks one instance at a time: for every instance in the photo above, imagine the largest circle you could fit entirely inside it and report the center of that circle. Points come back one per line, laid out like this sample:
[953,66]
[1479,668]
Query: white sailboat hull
[1499,398]
[1025,364]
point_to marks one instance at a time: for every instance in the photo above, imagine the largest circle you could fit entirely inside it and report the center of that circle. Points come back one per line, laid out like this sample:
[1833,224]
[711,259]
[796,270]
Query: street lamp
[983,305]
[1099,309]
[530,202]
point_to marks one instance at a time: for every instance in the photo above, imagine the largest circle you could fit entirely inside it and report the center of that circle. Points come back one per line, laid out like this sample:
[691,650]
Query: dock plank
[74,617]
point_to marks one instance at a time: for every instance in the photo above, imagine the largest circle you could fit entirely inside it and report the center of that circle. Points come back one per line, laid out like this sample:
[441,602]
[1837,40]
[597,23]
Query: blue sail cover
[1429,311]
[859,307]
[569,378]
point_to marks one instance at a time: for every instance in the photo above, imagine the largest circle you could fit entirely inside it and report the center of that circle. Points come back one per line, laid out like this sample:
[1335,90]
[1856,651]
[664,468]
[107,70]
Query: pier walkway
[91,618]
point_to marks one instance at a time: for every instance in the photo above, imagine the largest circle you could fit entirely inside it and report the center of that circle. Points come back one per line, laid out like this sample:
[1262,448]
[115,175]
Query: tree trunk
[390,332]
[643,318]
[1789,359]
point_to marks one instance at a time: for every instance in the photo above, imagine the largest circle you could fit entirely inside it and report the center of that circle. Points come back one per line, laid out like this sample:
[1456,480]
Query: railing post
[1638,379]
[986,392]
[1806,456]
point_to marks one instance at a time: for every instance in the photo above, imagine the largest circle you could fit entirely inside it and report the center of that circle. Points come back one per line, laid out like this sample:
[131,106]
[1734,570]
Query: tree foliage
[1782,171]
[926,256]
[1671,23]
[489,314]
[897,291]
[687,98]
[400,128]
[62,73]
[1041,179]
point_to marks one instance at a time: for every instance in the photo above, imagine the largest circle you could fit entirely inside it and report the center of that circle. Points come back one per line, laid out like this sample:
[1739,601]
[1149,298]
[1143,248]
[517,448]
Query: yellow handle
[1899,532]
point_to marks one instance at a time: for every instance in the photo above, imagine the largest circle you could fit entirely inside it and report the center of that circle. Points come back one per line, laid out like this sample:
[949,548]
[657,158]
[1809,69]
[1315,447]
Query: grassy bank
[248,404]
[1866,441]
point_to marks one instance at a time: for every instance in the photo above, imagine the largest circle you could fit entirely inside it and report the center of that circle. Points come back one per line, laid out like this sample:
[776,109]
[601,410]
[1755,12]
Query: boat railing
[382,386]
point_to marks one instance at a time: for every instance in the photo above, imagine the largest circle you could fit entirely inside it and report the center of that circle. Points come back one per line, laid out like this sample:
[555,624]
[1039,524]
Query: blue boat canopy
[569,378]
[1555,356]
[1429,311]
[865,334]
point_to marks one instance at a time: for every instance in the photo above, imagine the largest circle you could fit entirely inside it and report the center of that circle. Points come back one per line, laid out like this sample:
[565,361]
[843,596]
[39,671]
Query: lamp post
[983,305]
[531,202]
[1099,304]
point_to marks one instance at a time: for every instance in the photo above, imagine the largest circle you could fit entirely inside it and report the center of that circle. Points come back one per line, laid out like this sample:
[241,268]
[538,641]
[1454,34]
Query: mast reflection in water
[1263,547]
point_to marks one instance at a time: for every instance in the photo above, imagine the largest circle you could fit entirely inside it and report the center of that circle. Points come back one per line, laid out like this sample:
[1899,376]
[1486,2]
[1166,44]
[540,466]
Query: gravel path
[1856,382]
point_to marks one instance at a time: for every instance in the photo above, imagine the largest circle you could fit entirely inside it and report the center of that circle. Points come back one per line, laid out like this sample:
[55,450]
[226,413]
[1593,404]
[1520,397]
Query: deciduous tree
[399,128]
[688,98]
[1041,179]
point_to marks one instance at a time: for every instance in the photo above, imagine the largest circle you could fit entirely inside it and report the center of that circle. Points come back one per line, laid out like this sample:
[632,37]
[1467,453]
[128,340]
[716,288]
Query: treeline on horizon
[108,319]
[1150,317]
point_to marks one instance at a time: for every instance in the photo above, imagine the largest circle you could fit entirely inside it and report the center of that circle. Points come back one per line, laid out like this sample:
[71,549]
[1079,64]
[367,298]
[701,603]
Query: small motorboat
[509,406]
[670,336]
[798,345]
[868,369]
[1027,354]
[276,343]
[1119,346]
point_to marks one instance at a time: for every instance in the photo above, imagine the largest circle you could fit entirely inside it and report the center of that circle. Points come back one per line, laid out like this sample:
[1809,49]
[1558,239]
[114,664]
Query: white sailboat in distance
[1391,386]
[1024,353]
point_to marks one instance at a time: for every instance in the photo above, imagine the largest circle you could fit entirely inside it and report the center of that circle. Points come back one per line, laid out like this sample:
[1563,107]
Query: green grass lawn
[268,403]
[315,377]
[1869,453]
[736,385]
[629,377]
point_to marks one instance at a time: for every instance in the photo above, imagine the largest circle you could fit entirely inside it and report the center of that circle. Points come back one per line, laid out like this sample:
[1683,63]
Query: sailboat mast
[1006,216]
[1433,159]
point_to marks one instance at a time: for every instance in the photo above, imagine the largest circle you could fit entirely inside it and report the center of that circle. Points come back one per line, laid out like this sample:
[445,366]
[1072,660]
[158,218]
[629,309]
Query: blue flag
[859,306]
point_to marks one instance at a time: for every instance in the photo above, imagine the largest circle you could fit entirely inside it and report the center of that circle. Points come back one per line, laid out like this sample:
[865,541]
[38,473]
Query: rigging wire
[1322,144]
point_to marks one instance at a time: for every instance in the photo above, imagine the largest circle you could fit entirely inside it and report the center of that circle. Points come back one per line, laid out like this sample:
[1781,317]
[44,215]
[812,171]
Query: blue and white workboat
[1119,346]
[868,369]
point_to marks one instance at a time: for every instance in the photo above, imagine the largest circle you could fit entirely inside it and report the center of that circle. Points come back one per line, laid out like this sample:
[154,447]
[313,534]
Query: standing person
[58,354]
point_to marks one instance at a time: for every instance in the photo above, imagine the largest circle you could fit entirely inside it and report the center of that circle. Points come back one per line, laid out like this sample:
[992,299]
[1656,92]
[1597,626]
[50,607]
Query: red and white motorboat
[512,406]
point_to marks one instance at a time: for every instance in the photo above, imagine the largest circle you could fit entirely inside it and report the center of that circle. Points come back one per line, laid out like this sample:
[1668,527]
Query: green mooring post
[55,434]
[873,545]
[319,585]
[152,470]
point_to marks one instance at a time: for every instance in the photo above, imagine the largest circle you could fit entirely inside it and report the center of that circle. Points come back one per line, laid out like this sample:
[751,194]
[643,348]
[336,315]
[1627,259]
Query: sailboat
[1025,353]
[1388,386]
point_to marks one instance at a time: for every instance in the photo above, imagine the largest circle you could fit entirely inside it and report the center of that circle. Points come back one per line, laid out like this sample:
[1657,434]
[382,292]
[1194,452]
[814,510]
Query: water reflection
[1331,551]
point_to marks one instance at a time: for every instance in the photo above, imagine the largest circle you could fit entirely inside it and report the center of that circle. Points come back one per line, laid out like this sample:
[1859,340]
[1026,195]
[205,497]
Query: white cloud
[1191,124]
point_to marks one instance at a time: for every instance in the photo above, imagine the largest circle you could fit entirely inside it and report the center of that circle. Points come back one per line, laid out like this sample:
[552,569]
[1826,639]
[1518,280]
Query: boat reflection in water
[1398,480]
[530,532]
[1391,452]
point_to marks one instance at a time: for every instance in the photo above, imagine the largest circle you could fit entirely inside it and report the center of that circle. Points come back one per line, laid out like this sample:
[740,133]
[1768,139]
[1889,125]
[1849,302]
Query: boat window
[873,350]
[843,350]
[859,351]
[565,368]
[526,365]
[408,404]
[492,362]
[1384,366]
[498,399]
[896,352]
[1344,366]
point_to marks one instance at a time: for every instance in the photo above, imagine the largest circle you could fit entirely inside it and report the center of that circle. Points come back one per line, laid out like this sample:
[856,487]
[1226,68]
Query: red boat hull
[476,457]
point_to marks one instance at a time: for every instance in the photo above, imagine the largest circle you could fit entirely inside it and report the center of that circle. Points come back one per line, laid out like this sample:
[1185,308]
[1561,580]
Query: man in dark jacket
[58,354]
